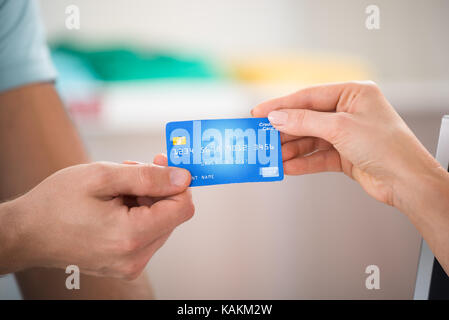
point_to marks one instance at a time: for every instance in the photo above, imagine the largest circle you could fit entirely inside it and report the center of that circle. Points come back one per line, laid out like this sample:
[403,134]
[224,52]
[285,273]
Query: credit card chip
[178,141]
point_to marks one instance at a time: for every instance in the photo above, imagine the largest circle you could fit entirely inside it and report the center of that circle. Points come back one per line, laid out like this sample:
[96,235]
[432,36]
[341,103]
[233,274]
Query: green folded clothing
[121,64]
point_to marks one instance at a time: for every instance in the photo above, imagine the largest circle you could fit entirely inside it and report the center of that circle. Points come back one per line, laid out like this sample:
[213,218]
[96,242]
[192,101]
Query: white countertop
[146,106]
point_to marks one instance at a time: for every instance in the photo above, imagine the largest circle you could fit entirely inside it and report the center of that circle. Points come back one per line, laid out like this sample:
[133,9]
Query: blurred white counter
[146,106]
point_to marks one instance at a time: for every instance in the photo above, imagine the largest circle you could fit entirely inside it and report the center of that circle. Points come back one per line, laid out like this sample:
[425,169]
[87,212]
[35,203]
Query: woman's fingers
[288,137]
[302,122]
[302,147]
[320,161]
[319,98]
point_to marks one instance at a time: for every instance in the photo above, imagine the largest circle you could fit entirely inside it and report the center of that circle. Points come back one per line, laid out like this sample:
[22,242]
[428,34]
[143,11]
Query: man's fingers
[161,160]
[302,122]
[110,179]
[131,162]
[320,161]
[146,201]
[164,215]
[303,146]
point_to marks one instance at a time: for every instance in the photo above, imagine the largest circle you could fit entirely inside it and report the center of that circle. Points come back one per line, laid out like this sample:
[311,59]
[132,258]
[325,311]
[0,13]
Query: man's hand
[93,216]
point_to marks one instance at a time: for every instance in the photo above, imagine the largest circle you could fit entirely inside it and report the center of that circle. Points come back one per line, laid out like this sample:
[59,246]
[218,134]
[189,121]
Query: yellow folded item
[300,69]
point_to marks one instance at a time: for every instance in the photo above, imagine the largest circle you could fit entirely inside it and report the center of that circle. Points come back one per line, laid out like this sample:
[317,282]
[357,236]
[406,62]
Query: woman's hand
[351,127]
[348,127]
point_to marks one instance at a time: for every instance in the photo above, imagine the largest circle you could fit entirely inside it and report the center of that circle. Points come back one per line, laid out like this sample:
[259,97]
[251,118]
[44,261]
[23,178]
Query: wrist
[424,194]
[12,236]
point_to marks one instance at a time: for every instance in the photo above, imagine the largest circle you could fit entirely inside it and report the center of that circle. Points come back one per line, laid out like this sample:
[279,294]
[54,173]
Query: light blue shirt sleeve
[24,56]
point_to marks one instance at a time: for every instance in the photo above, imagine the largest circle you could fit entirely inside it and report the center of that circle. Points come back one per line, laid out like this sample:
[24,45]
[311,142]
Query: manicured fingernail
[178,177]
[278,117]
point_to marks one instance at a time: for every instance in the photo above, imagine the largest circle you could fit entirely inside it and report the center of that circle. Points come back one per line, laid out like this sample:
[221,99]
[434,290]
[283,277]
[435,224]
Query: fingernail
[278,117]
[178,177]
[252,112]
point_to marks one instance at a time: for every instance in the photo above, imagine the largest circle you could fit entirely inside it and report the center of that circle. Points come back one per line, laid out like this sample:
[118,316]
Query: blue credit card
[225,150]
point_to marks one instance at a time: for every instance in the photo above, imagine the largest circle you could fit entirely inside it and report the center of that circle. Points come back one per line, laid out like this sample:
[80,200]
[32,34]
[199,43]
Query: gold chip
[177,141]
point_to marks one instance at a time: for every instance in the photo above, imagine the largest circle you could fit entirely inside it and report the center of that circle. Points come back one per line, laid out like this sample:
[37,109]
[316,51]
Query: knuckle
[128,244]
[188,207]
[146,176]
[131,245]
[183,211]
[131,271]
[369,87]
[372,88]
[342,121]
[189,210]
[299,117]
[100,173]
[362,86]
[352,85]
[132,276]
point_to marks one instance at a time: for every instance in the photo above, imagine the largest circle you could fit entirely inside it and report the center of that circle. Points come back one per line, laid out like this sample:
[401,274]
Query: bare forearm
[37,139]
[425,201]
[10,258]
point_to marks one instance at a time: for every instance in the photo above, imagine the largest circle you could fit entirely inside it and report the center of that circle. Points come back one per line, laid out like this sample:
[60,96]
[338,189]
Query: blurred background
[135,65]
